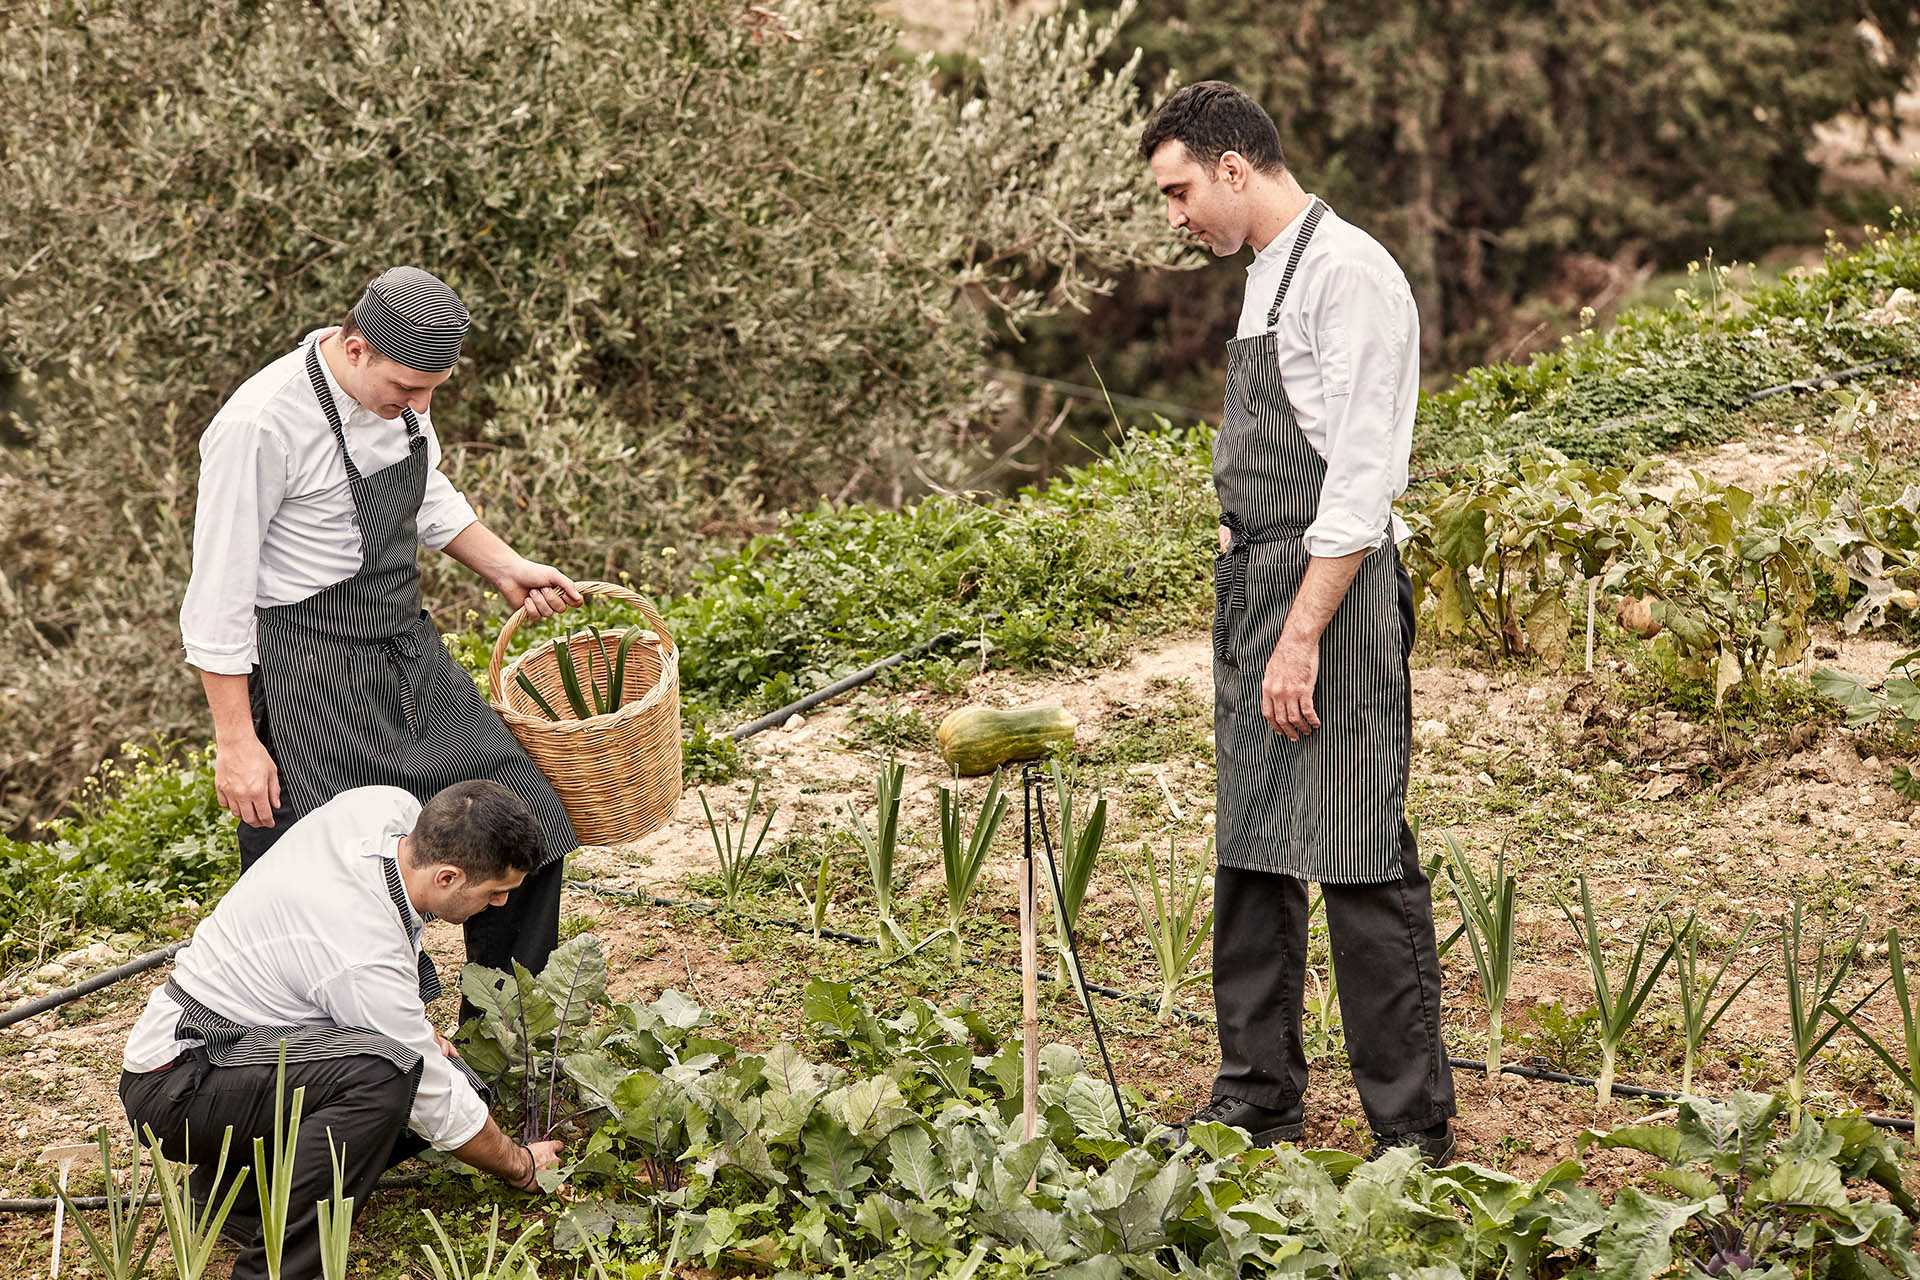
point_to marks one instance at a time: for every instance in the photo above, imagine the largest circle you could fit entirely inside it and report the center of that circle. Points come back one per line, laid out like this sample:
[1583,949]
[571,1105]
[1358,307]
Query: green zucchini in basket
[977,740]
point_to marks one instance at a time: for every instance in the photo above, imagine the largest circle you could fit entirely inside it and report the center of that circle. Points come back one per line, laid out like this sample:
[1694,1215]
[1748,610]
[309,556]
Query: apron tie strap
[403,651]
[1230,578]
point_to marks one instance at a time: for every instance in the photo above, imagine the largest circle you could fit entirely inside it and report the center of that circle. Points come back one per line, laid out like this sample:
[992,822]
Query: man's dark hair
[349,326]
[481,828]
[1212,118]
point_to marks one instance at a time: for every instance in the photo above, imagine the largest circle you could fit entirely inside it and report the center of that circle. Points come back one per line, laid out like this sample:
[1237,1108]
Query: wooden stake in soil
[1593,593]
[1029,983]
[64,1157]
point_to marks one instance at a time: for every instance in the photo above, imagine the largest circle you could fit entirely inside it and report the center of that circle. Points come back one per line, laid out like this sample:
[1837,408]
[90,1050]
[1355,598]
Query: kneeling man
[318,947]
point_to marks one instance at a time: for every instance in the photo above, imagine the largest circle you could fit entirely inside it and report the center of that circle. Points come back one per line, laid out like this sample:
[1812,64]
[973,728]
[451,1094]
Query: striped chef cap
[413,319]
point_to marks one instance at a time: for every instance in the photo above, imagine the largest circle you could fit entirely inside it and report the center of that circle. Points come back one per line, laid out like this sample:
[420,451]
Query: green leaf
[1460,537]
[831,1159]
[1637,1242]
[913,1164]
[870,1109]
[1092,1107]
[1905,783]
[1222,1142]
[1810,1182]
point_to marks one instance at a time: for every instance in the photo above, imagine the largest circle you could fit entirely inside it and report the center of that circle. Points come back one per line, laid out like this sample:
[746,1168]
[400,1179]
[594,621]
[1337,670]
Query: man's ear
[1233,170]
[447,876]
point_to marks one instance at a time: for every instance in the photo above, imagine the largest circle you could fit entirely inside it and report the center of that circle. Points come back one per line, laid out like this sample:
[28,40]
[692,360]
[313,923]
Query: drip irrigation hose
[1029,775]
[773,719]
[1824,382]
[1181,1012]
[66,995]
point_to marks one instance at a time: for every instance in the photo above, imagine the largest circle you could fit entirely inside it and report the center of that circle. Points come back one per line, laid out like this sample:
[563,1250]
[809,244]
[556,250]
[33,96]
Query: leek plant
[1812,1017]
[963,854]
[737,857]
[336,1220]
[119,1255]
[273,1176]
[192,1236]
[1617,1007]
[1321,1033]
[1907,1072]
[879,843]
[1698,1012]
[1487,914]
[1079,850]
[816,902]
[449,1263]
[1169,925]
[594,696]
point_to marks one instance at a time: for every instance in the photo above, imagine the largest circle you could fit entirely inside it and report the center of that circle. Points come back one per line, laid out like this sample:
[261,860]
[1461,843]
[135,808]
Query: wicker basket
[618,775]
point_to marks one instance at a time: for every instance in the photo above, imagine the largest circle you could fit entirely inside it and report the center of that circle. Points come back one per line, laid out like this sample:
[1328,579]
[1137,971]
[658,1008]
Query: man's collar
[345,403]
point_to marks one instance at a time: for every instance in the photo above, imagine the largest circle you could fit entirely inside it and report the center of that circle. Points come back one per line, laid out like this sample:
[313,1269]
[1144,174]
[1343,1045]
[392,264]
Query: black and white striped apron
[360,691]
[1329,806]
[230,1044]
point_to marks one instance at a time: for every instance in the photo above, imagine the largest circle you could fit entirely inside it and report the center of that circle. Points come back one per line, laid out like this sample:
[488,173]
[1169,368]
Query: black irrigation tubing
[1181,1012]
[66,995]
[1824,382]
[46,1205]
[773,719]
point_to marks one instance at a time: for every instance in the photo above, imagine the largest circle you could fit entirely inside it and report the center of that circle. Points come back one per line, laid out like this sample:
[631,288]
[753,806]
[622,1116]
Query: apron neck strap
[1307,228]
[324,395]
[430,988]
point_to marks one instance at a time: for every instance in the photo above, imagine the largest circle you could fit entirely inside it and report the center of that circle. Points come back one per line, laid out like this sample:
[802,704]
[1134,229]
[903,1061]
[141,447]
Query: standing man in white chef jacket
[1313,622]
[319,481]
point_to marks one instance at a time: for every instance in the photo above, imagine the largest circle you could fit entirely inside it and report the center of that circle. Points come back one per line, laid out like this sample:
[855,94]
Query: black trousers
[1386,964]
[361,1102]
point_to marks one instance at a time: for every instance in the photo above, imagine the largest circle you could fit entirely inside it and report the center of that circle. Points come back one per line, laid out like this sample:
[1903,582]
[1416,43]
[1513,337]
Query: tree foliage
[720,256]
[1485,141]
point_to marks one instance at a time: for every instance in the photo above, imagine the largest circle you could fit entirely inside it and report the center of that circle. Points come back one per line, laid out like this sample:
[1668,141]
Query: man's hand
[541,588]
[1286,694]
[446,1046]
[246,781]
[1226,539]
[546,1155]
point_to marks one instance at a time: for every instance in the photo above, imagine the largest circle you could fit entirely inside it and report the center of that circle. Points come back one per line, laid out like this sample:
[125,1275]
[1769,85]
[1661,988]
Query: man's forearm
[483,551]
[1321,590]
[492,1151]
[232,711]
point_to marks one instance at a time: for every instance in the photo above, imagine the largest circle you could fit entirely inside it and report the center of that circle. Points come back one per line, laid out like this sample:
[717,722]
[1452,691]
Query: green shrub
[148,840]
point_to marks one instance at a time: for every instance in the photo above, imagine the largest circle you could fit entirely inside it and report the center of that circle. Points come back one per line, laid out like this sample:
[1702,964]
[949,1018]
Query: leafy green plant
[1896,701]
[193,1231]
[1169,924]
[964,854]
[1617,1004]
[1487,914]
[1078,852]
[1812,1016]
[1906,1072]
[530,1027]
[1753,1203]
[880,843]
[118,1253]
[1698,1012]
[1320,1029]
[737,857]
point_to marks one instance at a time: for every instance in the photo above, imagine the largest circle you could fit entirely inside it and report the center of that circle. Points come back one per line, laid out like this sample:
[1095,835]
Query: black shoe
[1436,1144]
[1264,1125]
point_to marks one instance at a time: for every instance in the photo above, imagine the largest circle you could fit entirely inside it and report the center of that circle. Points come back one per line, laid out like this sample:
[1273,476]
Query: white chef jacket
[1348,343]
[310,936]
[275,520]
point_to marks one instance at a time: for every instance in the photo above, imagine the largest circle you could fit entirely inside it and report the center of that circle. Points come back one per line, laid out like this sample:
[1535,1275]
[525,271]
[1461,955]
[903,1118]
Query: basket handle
[611,590]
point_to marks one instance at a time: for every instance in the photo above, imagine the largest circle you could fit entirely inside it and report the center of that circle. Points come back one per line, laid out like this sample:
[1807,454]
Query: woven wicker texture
[618,775]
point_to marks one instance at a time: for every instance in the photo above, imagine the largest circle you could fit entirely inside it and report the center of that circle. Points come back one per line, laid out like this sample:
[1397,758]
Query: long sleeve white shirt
[310,936]
[275,519]
[1348,343]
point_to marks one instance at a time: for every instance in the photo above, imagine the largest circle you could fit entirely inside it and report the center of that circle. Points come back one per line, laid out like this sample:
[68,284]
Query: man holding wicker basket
[319,479]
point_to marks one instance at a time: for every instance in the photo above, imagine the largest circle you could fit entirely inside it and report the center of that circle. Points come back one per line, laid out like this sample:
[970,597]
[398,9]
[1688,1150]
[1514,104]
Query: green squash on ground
[977,740]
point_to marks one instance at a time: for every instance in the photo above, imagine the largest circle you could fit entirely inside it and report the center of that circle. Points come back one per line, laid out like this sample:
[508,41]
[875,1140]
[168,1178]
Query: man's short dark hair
[481,828]
[1212,118]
